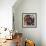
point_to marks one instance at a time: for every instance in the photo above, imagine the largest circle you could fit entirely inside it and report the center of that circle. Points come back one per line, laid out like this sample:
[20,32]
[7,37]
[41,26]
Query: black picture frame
[29,20]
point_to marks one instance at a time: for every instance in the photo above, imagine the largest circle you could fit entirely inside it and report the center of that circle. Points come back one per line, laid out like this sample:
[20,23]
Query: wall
[6,19]
[43,22]
[6,16]
[6,13]
[28,6]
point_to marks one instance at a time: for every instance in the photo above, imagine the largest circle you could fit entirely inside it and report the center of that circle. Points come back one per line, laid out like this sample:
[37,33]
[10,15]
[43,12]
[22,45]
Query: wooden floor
[9,43]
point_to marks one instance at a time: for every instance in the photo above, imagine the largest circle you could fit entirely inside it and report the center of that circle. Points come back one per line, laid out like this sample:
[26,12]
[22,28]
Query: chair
[29,43]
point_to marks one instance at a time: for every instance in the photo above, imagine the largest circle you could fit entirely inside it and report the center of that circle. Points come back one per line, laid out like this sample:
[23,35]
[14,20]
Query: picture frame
[29,20]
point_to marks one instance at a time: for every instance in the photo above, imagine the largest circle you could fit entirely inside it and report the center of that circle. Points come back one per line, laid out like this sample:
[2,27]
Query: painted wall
[30,6]
[6,18]
[43,22]
[6,13]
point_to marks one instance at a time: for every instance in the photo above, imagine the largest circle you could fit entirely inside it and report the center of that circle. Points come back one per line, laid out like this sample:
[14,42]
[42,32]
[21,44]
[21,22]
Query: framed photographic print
[29,20]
